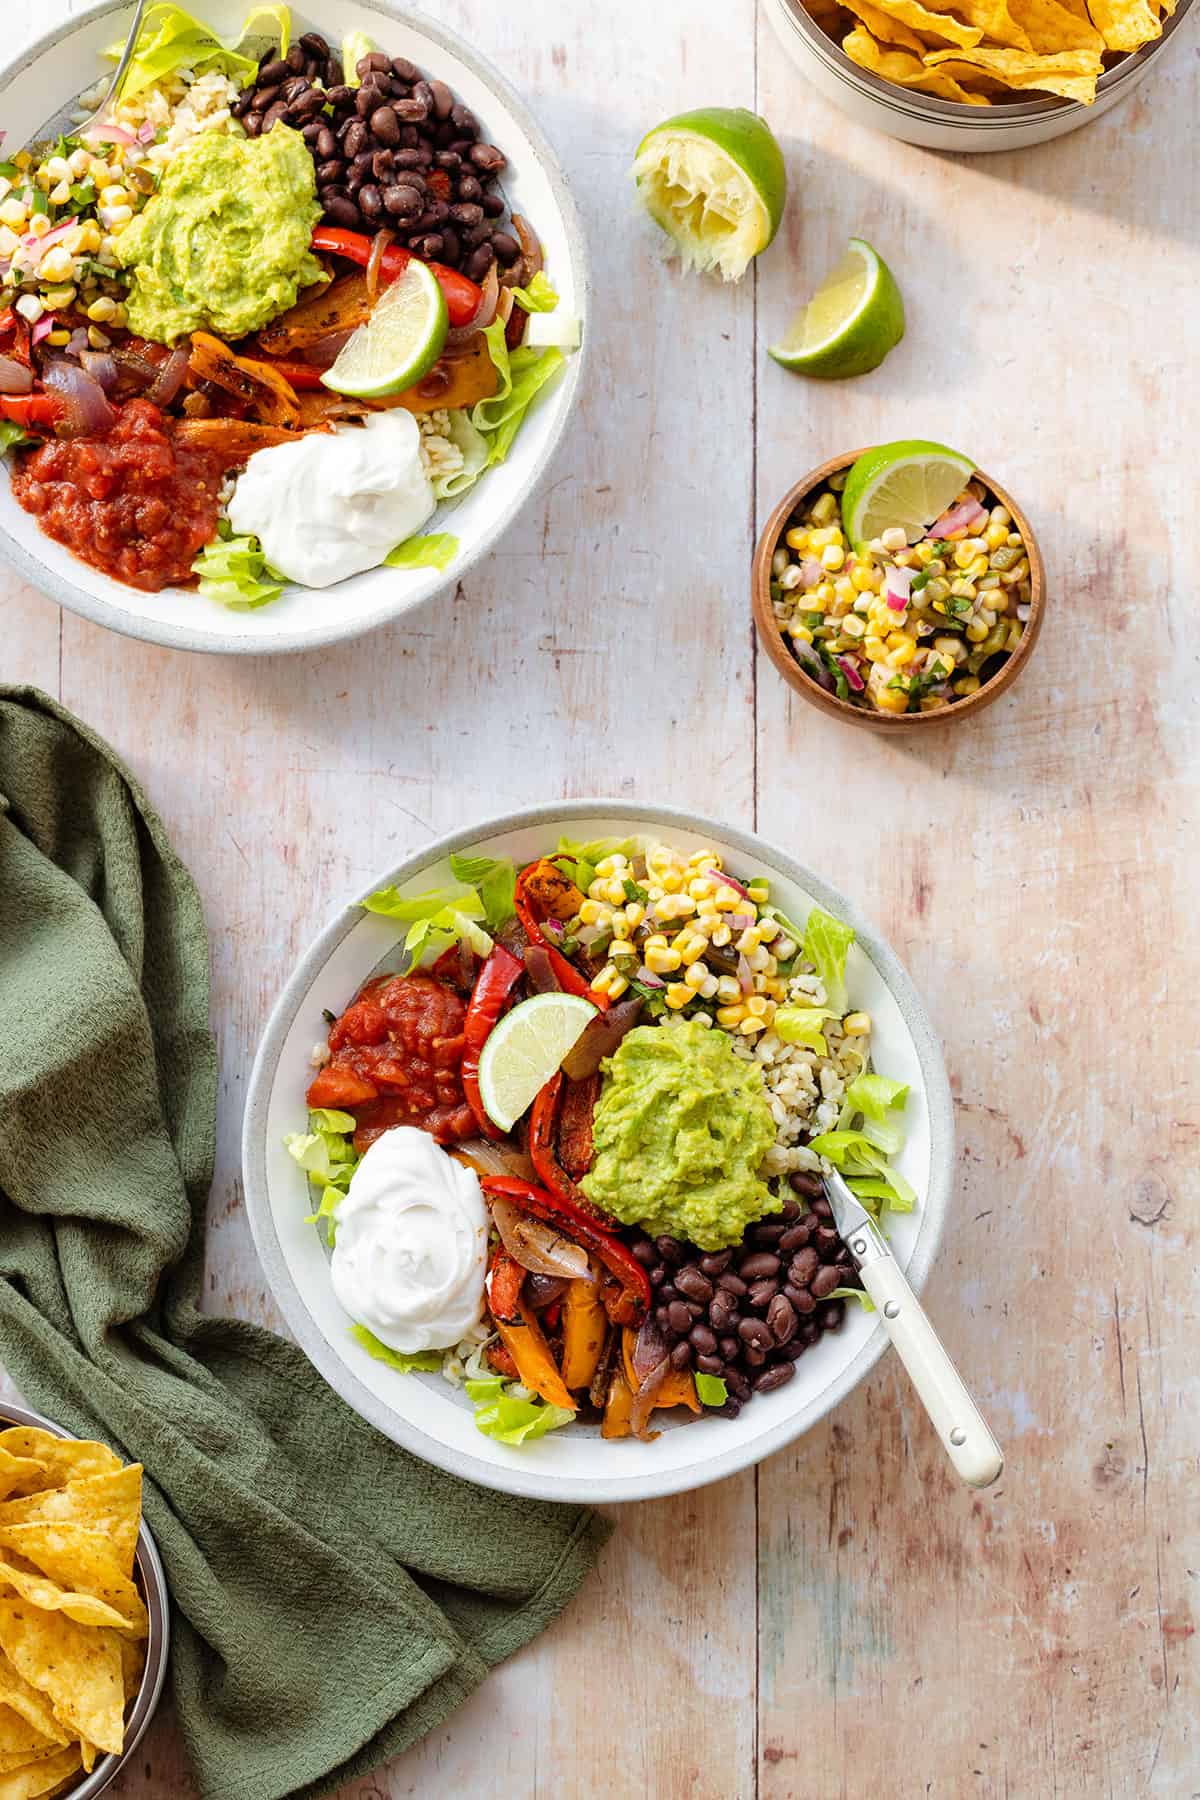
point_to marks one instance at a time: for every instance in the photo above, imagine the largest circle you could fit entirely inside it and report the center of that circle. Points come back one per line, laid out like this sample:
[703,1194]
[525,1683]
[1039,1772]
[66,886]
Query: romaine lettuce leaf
[428,1361]
[577,858]
[521,374]
[498,1415]
[826,941]
[710,1389]
[474,447]
[864,1299]
[802,1025]
[494,879]
[437,551]
[538,297]
[328,1158]
[172,39]
[879,1100]
[436,919]
[855,1155]
[234,572]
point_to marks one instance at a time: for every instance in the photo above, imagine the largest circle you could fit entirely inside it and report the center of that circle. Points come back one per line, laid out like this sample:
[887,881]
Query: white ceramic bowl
[423,1412]
[65,63]
[950,124]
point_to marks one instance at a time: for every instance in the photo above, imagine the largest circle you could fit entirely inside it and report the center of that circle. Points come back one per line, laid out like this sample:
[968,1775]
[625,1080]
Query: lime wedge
[400,342]
[525,1049]
[715,181]
[855,317]
[903,485]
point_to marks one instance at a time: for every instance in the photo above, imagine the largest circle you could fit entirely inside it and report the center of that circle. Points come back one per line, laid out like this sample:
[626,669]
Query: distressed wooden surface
[844,1620]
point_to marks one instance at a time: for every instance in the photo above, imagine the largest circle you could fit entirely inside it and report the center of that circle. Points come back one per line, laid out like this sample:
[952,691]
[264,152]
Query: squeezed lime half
[715,181]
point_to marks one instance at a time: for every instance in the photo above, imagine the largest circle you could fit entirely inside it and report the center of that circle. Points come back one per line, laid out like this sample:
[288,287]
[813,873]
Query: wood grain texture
[845,1620]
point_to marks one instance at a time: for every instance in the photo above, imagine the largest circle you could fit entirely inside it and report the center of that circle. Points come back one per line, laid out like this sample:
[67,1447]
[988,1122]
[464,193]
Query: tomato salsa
[130,501]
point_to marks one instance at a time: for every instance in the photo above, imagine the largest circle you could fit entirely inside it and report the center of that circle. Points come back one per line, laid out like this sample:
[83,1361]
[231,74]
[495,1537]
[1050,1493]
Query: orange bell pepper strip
[585,1324]
[617,1407]
[505,1280]
[535,1362]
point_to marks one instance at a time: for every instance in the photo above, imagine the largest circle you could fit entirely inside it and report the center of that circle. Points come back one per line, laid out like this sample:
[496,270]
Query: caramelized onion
[495,1159]
[324,353]
[15,378]
[543,1290]
[375,262]
[169,379]
[537,1246]
[600,1038]
[101,367]
[485,312]
[643,1400]
[86,411]
[649,1348]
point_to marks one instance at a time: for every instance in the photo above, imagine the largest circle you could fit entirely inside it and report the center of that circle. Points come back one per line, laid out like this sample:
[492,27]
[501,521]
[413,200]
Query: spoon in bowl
[957,1420]
[100,116]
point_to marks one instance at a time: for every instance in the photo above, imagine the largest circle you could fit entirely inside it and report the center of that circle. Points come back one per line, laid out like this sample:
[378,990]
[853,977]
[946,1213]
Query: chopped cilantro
[634,892]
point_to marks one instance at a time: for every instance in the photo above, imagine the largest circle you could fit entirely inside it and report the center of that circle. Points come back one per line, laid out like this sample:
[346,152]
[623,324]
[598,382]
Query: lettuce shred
[436,919]
[328,1157]
[171,39]
[826,942]
[502,1416]
[521,374]
[494,879]
[437,551]
[424,1361]
[234,572]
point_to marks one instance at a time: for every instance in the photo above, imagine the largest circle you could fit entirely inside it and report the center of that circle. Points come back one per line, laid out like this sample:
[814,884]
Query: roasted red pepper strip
[568,977]
[635,1285]
[494,983]
[31,409]
[504,1287]
[462,296]
[305,377]
[543,1137]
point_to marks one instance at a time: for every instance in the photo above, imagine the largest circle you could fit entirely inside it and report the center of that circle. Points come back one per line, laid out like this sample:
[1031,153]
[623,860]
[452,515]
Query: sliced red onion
[102,132]
[849,669]
[728,880]
[643,1400]
[86,410]
[745,976]
[1023,613]
[484,313]
[101,367]
[806,654]
[964,514]
[501,1158]
[648,978]
[170,379]
[811,572]
[554,928]
[15,378]
[42,329]
[379,244]
[540,971]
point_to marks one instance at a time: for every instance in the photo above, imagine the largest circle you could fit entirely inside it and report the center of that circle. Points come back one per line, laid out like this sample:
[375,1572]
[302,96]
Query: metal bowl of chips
[1016,117]
[142,1700]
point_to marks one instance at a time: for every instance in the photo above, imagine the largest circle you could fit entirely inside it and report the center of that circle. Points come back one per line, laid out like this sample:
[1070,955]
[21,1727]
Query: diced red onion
[648,978]
[1023,613]
[484,313]
[86,410]
[811,572]
[806,654]
[42,244]
[78,342]
[849,669]
[101,367]
[554,928]
[964,514]
[745,976]
[170,379]
[897,585]
[42,329]
[146,132]
[728,880]
[15,378]
[740,921]
[104,133]
[537,1246]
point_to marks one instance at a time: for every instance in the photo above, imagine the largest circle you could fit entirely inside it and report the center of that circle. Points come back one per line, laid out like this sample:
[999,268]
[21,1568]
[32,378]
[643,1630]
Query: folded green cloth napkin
[334,1598]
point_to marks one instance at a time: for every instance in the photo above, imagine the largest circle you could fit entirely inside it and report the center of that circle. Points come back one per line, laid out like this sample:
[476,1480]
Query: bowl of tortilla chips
[975,75]
[84,1618]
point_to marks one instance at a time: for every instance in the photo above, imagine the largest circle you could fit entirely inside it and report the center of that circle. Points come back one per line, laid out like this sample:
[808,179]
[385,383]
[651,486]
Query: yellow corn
[825,509]
[622,948]
[696,976]
[977,631]
[797,538]
[591,912]
[856,1024]
[691,947]
[661,960]
[730,1016]
[902,649]
[967,684]
[720,936]
[729,989]
[59,298]
[610,981]
[874,647]
[750,940]
[832,557]
[702,887]
[750,1026]
[610,865]
[58,338]
[678,995]
[892,700]
[756,1006]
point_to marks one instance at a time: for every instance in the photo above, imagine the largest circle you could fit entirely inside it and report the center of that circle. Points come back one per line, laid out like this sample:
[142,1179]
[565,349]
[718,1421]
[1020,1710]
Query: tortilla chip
[23,1698]
[1051,27]
[883,26]
[20,1474]
[1125,24]
[85,1609]
[88,1754]
[64,1459]
[990,17]
[77,1667]
[82,1558]
[43,1777]
[1072,74]
[112,1502]
[906,71]
[938,22]
[133,1665]
[19,1739]
[22,1759]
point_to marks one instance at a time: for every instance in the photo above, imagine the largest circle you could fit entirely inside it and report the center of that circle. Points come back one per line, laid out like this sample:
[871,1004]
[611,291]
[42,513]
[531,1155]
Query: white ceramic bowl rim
[296,994]
[154,1581]
[338,630]
[1002,115]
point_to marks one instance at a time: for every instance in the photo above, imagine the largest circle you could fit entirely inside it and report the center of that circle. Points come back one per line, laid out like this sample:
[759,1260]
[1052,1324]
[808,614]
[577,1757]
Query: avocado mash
[681,1130]
[224,244]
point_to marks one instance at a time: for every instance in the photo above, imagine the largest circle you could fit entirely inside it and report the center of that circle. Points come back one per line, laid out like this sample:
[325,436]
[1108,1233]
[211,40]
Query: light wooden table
[844,1620]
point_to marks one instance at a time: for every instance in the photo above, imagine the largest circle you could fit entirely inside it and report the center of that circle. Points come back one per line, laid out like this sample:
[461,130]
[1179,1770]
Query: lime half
[525,1049]
[855,317]
[716,183]
[905,485]
[400,342]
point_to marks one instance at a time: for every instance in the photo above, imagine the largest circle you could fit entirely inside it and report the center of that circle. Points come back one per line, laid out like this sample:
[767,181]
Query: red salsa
[130,501]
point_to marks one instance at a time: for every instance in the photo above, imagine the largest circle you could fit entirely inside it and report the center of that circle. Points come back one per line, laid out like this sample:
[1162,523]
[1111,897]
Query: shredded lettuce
[328,1158]
[577,859]
[855,1155]
[494,879]
[436,919]
[429,1361]
[802,1025]
[355,45]
[172,39]
[877,1099]
[510,1421]
[234,572]
[864,1299]
[826,941]
[710,1390]
[474,447]
[538,297]
[437,551]
[521,374]
[12,436]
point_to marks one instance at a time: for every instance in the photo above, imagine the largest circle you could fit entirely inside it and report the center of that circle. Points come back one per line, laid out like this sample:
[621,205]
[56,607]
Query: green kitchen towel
[334,1598]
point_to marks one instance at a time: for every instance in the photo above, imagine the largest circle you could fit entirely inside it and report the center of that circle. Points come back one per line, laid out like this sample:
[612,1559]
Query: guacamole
[681,1130]
[224,244]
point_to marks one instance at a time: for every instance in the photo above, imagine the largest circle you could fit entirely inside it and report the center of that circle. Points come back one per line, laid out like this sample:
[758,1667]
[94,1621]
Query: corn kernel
[750,939]
[9,241]
[750,1026]
[677,995]
[610,865]
[620,926]
[622,948]
[768,929]
[797,538]
[902,649]
[759,891]
[99,340]
[721,936]
[30,308]
[822,596]
[59,339]
[702,887]
[995,535]
[692,948]
[731,1015]
[58,265]
[1000,515]
[696,976]
[894,538]
[892,700]
[801,633]
[874,647]
[976,631]
[672,881]
[610,981]
[856,1024]
[853,626]
[88,239]
[862,578]
[61,194]
[756,1006]
[824,535]
[662,961]
[79,162]
[966,684]
[832,556]
[825,510]
[40,225]
[635,912]
[844,590]
[708,992]
[775,988]
[729,989]
[727,899]
[59,298]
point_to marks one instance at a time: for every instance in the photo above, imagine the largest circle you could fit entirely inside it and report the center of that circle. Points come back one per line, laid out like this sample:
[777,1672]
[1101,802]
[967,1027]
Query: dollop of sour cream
[411,1247]
[335,503]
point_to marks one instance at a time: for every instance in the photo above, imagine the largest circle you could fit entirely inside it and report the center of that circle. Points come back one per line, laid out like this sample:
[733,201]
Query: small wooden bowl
[777,648]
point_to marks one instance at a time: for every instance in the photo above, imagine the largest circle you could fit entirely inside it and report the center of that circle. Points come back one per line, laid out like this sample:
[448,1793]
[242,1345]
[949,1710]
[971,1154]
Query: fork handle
[957,1420]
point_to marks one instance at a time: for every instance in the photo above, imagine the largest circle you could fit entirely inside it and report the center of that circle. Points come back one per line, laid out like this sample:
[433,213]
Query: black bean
[753,1357]
[272,73]
[681,1355]
[293,87]
[488,158]
[794,1348]
[253,124]
[356,140]
[781,1317]
[763,1292]
[658,1270]
[295,59]
[645,1253]
[326,143]
[730,1409]
[329,174]
[777,1376]
[479,262]
[801,1299]
[824,1282]
[671,1250]
[411,159]
[689,1280]
[434,213]
[314,44]
[375,59]
[410,139]
[821,1207]
[402,202]
[827,1241]
[847,1276]
[763,1262]
[429,248]
[405,70]
[717,1261]
[366,100]
[832,1314]
[243,103]
[755,1333]
[441,99]
[464,121]
[721,1311]
[767,1234]
[795,1237]
[804,1266]
[273,115]
[703,1338]
[476,234]
[386,127]
[449,160]
[343,212]
[806,1182]
[493,206]
[309,105]
[370,200]
[667,1292]
[451,247]
[340,96]
[466,213]
[263,98]
[790,1211]
[679,1316]
[710,1365]
[332,73]
[411,112]
[730,1346]
[663,1316]
[731,1283]
[424,93]
[810,1329]
[793,1293]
